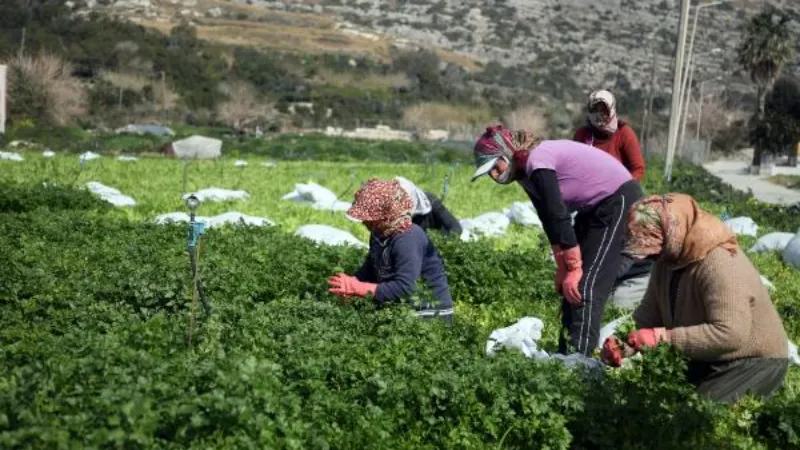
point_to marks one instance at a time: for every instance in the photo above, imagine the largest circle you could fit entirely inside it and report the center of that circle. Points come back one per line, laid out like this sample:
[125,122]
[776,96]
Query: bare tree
[242,106]
[42,88]
[526,118]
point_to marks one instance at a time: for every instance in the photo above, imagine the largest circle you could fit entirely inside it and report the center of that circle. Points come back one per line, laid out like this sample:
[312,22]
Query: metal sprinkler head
[192,202]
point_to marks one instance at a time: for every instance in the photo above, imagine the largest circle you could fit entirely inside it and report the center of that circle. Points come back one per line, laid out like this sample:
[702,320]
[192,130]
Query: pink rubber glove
[346,286]
[572,260]
[561,266]
[647,337]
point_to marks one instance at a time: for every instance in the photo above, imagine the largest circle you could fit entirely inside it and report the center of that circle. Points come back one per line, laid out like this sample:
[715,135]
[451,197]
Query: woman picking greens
[400,253]
[705,298]
[562,176]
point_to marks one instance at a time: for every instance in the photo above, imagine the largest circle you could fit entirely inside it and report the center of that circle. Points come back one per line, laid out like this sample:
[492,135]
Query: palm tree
[766,46]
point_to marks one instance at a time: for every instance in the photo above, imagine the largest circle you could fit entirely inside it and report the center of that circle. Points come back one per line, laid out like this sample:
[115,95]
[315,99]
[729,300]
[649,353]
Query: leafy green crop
[95,310]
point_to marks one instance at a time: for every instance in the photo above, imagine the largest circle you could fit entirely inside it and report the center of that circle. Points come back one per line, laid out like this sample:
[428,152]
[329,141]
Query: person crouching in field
[400,253]
[429,212]
[561,176]
[705,298]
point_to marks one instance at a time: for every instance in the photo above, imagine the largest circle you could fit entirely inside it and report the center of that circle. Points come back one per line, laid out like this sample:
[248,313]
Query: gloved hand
[346,286]
[647,337]
[573,263]
[611,354]
[614,351]
[561,267]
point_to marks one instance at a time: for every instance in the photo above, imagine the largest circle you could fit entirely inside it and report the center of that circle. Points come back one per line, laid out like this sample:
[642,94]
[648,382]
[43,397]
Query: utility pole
[22,45]
[163,97]
[699,111]
[3,72]
[648,106]
[674,115]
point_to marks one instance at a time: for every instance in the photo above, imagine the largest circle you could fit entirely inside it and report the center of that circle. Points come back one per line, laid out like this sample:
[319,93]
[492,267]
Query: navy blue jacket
[396,263]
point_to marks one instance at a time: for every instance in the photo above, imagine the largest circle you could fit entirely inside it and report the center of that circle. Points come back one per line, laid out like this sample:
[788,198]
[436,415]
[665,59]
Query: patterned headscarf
[608,124]
[502,142]
[674,229]
[385,205]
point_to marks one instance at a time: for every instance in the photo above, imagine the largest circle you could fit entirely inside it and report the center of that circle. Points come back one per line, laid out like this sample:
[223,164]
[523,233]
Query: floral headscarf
[674,229]
[385,205]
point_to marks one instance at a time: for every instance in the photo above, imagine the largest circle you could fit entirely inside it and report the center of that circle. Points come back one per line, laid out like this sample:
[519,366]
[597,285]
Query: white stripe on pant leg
[586,284]
[605,252]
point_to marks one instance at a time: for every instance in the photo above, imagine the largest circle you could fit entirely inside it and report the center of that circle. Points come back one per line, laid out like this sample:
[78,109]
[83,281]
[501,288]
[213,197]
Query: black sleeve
[442,216]
[553,213]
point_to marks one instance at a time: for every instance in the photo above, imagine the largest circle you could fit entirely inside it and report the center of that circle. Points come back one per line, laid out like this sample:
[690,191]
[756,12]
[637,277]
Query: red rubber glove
[647,337]
[561,267]
[612,352]
[572,260]
[347,286]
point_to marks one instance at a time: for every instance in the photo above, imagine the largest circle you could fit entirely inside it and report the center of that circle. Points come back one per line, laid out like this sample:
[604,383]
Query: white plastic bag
[522,336]
[523,213]
[240,163]
[743,226]
[327,235]
[109,194]
[772,242]
[318,197]
[48,154]
[488,224]
[214,194]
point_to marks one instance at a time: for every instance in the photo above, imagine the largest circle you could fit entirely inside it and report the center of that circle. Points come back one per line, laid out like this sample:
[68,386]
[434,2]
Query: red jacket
[622,145]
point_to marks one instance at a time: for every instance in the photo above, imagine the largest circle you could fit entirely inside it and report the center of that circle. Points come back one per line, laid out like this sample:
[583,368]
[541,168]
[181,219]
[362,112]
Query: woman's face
[500,168]
[601,110]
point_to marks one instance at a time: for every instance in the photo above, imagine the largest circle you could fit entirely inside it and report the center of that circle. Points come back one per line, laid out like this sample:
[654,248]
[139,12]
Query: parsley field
[96,315]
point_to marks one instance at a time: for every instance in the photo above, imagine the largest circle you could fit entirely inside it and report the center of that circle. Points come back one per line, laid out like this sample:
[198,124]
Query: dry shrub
[42,87]
[526,118]
[242,107]
[431,115]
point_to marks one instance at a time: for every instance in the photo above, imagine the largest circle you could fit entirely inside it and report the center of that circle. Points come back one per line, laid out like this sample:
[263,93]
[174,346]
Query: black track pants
[600,232]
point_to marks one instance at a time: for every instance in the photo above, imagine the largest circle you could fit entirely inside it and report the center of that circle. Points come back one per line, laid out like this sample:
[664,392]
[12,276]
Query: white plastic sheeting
[11,156]
[523,213]
[215,194]
[490,224]
[269,164]
[791,254]
[240,163]
[127,158]
[793,355]
[316,196]
[88,156]
[328,235]
[109,194]
[524,335]
[197,147]
[743,226]
[772,242]
[228,218]
[48,154]
[155,130]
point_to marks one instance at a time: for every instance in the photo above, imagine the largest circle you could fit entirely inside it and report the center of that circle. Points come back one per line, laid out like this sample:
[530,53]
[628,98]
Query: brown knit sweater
[722,310]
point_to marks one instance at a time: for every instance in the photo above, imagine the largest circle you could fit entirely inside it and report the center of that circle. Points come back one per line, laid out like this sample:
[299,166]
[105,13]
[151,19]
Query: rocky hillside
[609,44]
